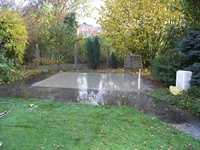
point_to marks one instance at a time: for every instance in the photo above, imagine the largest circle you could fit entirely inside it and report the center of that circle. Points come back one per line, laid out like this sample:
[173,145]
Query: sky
[92,20]
[89,20]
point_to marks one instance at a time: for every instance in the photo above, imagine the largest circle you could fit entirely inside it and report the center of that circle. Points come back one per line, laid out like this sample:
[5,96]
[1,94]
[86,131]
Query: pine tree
[190,47]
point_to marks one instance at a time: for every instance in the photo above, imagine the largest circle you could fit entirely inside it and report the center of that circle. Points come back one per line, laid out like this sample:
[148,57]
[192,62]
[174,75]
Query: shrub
[49,61]
[93,52]
[9,72]
[13,35]
[187,100]
[164,67]
[7,69]
[82,53]
[113,60]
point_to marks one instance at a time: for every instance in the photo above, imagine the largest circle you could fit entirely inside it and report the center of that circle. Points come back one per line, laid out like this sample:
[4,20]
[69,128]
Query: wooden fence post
[37,53]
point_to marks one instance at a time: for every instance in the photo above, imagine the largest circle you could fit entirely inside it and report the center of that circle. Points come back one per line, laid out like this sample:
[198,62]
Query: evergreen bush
[164,67]
[190,47]
[93,52]
[113,60]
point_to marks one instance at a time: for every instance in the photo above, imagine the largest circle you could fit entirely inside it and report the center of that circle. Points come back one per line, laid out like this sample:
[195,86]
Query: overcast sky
[89,20]
[95,16]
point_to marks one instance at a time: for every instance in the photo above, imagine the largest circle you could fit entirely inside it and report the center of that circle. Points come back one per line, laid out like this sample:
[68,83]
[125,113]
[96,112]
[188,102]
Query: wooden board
[133,62]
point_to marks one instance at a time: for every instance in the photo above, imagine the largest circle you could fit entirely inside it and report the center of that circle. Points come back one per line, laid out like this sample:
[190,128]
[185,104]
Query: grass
[53,126]
[187,100]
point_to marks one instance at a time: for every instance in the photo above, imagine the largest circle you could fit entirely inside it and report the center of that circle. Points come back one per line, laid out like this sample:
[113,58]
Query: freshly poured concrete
[95,81]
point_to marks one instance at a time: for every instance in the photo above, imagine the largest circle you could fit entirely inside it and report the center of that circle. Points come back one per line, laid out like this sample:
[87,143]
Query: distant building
[87,30]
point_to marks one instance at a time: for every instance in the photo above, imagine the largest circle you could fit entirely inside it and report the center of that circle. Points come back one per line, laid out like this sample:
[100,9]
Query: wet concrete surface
[95,81]
[101,89]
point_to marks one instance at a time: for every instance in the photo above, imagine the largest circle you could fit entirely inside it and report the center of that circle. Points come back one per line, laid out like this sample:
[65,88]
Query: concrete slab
[96,81]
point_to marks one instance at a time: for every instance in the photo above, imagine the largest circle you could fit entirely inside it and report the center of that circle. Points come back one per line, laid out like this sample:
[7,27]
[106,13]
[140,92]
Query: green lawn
[53,126]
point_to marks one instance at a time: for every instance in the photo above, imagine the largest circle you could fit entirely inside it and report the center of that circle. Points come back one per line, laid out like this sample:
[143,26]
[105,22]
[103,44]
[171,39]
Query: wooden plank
[133,62]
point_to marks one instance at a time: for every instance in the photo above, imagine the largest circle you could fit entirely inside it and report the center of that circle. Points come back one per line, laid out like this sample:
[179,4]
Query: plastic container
[183,79]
